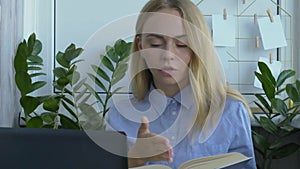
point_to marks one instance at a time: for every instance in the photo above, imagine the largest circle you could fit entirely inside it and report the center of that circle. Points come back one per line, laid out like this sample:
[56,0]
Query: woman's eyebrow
[155,35]
[180,36]
[161,36]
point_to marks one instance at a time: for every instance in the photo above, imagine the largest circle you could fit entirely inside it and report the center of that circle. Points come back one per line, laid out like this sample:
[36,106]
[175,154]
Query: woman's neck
[169,90]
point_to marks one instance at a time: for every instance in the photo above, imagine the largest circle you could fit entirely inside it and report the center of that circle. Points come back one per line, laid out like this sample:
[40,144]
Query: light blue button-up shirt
[171,117]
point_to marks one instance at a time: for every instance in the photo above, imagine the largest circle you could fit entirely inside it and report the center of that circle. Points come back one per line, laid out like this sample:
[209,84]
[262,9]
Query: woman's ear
[138,41]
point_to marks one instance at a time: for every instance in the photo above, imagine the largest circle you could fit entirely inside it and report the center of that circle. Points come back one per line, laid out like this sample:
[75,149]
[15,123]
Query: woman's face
[163,44]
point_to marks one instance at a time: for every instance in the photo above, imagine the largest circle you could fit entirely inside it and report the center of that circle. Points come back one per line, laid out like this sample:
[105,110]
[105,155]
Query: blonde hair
[206,76]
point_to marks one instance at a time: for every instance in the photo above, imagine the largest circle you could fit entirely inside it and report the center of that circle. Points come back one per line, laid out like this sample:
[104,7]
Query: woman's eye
[181,45]
[155,44]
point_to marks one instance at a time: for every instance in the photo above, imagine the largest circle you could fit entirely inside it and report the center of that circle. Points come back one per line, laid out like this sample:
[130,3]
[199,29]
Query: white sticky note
[275,68]
[223,30]
[272,33]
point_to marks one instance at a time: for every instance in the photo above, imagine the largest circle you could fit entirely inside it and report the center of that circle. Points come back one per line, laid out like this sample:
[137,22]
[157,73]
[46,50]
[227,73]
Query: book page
[153,166]
[213,162]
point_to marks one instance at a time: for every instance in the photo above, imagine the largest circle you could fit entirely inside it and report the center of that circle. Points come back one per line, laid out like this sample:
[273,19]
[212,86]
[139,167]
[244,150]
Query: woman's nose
[169,52]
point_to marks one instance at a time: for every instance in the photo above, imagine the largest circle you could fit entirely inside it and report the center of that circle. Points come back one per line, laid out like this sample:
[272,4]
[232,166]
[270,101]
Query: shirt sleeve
[242,139]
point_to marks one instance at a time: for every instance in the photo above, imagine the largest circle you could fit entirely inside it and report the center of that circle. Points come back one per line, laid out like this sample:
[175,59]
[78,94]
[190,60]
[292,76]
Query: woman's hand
[149,147]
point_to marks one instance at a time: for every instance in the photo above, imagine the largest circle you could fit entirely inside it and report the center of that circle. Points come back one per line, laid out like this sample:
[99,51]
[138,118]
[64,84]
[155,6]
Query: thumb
[144,128]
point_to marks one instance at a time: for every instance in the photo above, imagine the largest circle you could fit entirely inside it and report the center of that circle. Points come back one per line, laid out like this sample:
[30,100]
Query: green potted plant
[281,100]
[28,66]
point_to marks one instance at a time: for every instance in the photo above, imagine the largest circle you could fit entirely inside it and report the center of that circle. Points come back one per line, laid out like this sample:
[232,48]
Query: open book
[210,162]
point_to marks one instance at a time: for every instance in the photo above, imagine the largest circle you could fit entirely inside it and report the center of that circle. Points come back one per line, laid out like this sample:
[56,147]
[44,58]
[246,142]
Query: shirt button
[174,113]
[173,138]
[173,101]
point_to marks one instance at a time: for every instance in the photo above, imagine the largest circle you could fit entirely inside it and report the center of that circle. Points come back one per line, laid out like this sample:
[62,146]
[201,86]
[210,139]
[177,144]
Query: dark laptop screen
[59,149]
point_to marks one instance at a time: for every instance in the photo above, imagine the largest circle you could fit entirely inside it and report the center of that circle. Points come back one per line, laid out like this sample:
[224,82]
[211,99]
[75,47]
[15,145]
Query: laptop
[61,149]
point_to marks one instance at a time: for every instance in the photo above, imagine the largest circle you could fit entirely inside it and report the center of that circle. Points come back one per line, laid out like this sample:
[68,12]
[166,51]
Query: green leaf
[31,40]
[48,117]
[126,51]
[283,76]
[287,128]
[35,59]
[122,48]
[51,104]
[80,94]
[261,108]
[69,92]
[280,106]
[60,72]
[74,78]
[23,82]
[86,98]
[298,85]
[63,81]
[110,51]
[29,104]
[266,72]
[117,78]
[260,140]
[276,144]
[94,93]
[34,68]
[20,60]
[101,73]
[77,61]
[57,86]
[97,81]
[37,74]
[67,100]
[34,64]
[37,48]
[88,110]
[293,92]
[106,62]
[71,52]
[119,47]
[69,110]
[269,125]
[79,85]
[264,102]
[268,89]
[68,123]
[116,90]
[72,70]
[37,85]
[34,122]
[119,73]
[285,151]
[61,60]
[43,98]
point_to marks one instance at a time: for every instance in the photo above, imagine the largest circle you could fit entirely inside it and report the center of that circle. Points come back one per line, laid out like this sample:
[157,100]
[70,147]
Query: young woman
[181,107]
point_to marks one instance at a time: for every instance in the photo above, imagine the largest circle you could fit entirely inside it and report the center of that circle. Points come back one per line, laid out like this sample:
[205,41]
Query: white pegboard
[240,61]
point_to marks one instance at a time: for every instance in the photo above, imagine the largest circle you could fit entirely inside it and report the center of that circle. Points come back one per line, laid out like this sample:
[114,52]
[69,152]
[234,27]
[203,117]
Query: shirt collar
[159,101]
[185,97]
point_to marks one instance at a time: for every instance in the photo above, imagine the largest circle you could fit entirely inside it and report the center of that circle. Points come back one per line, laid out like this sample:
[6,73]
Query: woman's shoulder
[235,113]
[234,106]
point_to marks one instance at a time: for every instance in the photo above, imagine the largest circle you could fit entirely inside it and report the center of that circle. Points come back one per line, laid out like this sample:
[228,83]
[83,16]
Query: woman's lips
[167,71]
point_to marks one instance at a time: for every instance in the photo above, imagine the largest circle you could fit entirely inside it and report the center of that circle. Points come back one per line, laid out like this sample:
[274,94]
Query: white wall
[77,20]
